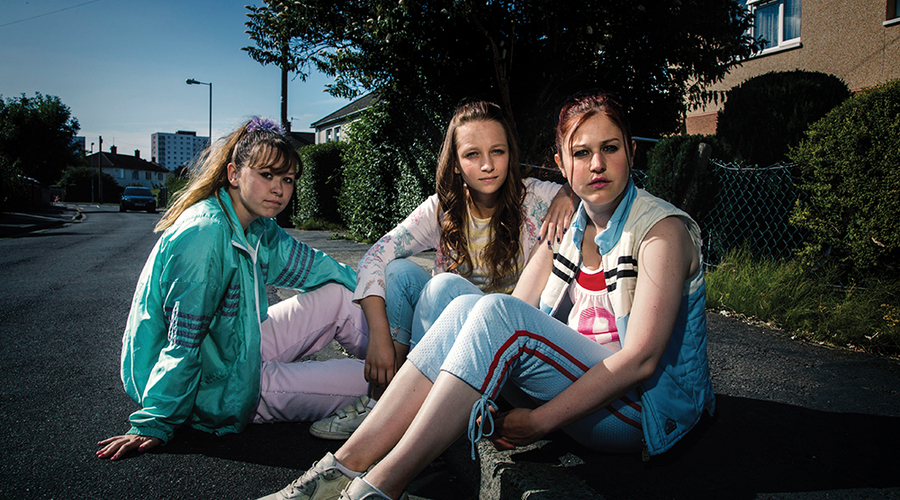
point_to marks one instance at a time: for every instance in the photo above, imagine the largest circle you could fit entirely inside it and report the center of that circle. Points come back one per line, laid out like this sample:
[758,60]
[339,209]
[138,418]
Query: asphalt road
[794,420]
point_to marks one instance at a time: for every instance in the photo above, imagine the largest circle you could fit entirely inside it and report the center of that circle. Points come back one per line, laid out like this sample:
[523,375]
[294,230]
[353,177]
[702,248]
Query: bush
[13,191]
[767,114]
[77,183]
[320,184]
[848,162]
[386,174]
[673,176]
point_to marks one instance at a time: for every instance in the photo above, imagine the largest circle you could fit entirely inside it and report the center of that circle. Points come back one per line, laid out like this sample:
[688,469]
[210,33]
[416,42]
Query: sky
[121,65]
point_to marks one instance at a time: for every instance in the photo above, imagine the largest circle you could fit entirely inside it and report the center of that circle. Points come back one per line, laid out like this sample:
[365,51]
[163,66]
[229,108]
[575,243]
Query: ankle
[348,466]
[379,491]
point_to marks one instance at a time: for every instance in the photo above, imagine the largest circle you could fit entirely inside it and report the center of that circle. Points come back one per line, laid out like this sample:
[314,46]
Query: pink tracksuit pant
[292,390]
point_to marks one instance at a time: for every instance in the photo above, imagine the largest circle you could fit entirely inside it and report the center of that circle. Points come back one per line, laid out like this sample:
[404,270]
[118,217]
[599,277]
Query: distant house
[330,128]
[858,41]
[129,170]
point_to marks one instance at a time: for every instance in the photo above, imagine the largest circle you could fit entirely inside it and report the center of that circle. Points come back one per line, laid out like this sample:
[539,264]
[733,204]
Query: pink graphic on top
[596,321]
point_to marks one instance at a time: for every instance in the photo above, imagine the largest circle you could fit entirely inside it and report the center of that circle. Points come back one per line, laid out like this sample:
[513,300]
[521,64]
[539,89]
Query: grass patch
[805,304]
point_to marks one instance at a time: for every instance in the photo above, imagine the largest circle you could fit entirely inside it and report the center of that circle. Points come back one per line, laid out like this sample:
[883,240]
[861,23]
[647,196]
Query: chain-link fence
[752,207]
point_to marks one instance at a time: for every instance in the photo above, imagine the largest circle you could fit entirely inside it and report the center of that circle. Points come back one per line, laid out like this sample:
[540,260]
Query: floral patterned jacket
[420,232]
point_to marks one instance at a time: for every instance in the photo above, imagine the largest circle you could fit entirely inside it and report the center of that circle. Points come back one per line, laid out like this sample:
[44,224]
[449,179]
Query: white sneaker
[342,423]
[359,489]
[322,482]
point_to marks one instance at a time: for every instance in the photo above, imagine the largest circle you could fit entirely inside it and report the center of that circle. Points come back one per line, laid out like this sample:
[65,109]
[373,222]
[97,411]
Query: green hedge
[849,165]
[767,114]
[672,175]
[320,183]
[387,173]
[77,183]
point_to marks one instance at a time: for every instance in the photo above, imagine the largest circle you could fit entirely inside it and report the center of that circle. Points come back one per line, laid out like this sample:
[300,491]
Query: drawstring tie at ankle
[481,408]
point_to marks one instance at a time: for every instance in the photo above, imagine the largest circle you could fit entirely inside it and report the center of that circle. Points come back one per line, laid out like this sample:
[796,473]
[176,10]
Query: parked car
[137,198]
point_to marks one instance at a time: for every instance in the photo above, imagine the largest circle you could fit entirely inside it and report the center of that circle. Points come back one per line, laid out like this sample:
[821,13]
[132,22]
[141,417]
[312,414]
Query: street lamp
[191,81]
[92,173]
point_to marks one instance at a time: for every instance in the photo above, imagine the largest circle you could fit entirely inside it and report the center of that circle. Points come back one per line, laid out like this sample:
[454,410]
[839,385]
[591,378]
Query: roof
[345,113]
[302,138]
[126,162]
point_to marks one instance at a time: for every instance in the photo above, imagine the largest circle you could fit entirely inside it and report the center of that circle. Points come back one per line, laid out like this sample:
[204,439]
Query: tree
[276,35]
[37,136]
[793,100]
[527,56]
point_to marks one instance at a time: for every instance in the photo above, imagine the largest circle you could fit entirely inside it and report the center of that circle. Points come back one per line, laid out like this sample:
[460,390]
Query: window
[134,174]
[776,23]
[328,135]
[146,176]
[892,14]
[337,130]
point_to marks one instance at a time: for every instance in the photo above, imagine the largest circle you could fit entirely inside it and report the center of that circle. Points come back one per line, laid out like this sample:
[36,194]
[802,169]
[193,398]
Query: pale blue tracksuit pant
[488,340]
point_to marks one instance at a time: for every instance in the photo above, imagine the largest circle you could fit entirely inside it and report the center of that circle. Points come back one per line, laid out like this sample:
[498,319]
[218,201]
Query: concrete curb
[18,223]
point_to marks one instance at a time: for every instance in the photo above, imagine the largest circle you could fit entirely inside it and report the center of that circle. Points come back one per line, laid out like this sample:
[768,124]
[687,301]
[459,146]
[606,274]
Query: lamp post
[92,173]
[191,81]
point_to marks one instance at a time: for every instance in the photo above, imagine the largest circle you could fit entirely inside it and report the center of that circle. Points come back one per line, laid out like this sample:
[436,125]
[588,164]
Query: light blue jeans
[489,340]
[414,299]
[403,283]
[434,298]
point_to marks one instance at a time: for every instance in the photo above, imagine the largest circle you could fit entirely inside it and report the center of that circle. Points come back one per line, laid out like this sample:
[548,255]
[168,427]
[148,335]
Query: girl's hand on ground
[559,215]
[115,448]
[381,361]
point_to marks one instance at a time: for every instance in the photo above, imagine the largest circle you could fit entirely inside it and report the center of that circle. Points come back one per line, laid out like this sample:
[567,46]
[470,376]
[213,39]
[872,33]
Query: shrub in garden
[673,175]
[388,169]
[849,166]
[319,184]
[767,114]
[77,183]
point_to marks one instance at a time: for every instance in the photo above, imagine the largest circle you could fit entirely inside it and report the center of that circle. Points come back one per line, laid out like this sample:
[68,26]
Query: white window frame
[893,13]
[781,43]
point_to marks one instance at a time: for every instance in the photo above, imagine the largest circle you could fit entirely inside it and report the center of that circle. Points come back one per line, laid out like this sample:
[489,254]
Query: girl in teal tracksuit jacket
[201,346]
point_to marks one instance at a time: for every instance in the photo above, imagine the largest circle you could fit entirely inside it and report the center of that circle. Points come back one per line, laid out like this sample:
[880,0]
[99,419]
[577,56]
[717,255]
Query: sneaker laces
[306,483]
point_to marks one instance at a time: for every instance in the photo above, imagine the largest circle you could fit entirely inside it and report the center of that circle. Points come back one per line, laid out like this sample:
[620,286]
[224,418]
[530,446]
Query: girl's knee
[444,280]
[404,270]
[495,303]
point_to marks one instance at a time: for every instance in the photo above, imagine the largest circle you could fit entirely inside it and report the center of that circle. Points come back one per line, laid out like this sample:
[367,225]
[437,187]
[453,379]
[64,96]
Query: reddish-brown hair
[583,105]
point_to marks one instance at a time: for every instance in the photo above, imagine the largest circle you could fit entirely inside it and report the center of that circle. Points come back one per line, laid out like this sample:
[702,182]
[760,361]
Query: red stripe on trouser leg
[495,363]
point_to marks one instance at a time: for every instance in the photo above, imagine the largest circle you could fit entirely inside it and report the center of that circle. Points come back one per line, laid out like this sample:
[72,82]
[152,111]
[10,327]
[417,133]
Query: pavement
[17,223]
[793,420]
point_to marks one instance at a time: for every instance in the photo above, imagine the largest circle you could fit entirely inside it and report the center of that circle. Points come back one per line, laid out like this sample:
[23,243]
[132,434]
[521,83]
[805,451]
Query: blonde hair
[501,254]
[252,145]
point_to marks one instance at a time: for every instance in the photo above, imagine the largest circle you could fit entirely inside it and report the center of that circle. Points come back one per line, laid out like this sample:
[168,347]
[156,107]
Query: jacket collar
[608,238]
[239,238]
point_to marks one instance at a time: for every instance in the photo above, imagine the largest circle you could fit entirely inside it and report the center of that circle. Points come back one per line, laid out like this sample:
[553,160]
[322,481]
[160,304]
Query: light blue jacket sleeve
[188,284]
[293,264]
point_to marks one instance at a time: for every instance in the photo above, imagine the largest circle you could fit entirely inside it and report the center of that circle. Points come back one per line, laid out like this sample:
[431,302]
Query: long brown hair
[501,255]
[257,143]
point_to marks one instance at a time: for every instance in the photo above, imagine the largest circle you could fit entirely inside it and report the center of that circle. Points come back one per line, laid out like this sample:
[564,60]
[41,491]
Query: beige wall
[845,38]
